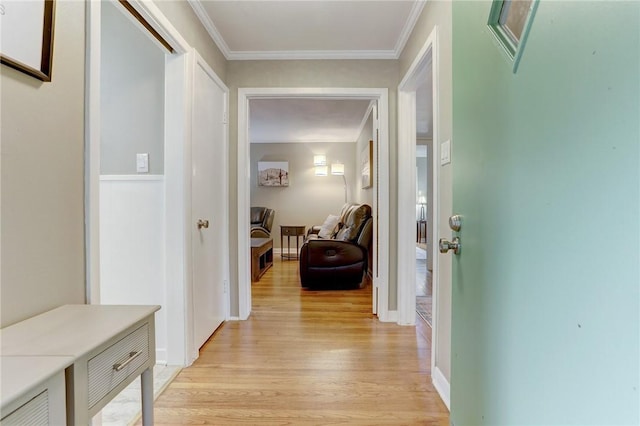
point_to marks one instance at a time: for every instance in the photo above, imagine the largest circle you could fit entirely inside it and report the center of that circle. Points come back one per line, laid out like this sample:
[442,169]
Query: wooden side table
[261,257]
[290,231]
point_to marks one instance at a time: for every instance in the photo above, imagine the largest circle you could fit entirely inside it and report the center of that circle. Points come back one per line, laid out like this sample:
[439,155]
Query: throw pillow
[329,225]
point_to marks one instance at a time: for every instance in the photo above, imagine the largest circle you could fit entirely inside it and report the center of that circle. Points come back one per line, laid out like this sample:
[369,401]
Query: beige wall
[308,199]
[42,178]
[336,73]
[184,19]
[364,195]
[439,13]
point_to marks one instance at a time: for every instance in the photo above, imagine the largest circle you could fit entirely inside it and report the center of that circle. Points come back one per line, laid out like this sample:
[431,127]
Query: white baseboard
[388,316]
[233,319]
[442,386]
[161,356]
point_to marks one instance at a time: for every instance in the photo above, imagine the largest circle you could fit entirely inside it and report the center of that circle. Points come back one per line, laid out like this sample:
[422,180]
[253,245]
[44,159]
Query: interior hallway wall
[308,199]
[42,170]
[312,73]
[439,13]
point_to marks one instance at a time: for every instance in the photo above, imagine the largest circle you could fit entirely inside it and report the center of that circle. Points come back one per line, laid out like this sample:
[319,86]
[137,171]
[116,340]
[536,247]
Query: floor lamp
[337,169]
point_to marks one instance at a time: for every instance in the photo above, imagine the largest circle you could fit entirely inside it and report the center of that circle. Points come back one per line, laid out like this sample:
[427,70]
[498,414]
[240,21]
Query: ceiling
[306,120]
[309,29]
[312,29]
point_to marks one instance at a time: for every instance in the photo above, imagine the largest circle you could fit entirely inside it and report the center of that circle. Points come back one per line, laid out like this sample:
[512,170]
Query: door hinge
[225,117]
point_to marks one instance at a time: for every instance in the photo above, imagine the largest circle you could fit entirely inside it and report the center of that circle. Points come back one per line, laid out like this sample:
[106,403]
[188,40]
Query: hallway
[307,358]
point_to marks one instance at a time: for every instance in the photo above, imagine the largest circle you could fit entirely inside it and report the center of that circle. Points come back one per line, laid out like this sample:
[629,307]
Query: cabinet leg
[147,396]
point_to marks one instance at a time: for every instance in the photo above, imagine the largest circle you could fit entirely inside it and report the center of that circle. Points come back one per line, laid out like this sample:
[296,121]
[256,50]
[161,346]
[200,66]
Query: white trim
[235,55]
[391,316]
[92,118]
[442,386]
[363,123]
[381,157]
[131,177]
[311,55]
[215,35]
[161,24]
[416,10]
[427,56]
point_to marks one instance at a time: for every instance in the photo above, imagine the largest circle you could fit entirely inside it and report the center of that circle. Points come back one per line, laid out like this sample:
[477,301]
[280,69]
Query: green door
[545,321]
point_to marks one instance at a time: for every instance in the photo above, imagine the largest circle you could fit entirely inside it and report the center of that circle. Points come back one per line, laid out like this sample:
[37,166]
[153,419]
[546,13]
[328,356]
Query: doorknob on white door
[454,245]
[202,223]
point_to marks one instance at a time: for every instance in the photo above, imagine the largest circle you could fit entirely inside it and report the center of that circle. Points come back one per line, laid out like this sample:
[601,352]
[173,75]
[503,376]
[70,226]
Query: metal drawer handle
[121,365]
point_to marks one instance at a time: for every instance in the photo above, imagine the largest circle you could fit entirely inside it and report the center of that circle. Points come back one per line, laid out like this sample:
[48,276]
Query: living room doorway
[380,206]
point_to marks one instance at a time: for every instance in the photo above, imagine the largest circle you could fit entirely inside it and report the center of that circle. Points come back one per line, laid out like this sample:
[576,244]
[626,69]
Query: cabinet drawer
[113,365]
[292,230]
[34,412]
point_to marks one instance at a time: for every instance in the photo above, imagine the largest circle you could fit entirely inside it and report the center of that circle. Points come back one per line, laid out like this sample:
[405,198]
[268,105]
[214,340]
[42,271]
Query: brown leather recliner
[340,261]
[261,222]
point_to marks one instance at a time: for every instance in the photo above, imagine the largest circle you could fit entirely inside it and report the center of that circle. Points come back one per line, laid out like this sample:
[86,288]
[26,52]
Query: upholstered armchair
[341,259]
[261,222]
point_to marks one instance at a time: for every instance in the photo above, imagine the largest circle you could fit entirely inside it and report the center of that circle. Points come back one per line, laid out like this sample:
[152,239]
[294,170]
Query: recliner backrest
[355,219]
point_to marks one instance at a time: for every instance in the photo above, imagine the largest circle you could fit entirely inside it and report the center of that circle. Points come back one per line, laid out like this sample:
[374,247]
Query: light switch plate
[445,152]
[142,163]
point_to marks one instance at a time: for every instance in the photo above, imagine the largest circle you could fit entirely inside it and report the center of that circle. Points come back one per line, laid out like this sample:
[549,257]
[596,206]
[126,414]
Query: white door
[208,202]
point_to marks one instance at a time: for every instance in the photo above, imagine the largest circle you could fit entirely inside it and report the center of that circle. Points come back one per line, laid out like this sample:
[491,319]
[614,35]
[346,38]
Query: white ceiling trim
[233,55]
[211,29]
[312,54]
[416,10]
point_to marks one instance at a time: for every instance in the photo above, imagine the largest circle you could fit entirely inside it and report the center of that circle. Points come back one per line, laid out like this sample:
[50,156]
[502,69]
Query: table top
[20,374]
[259,242]
[70,330]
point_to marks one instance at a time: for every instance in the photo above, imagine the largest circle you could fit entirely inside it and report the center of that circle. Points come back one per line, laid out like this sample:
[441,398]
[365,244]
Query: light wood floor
[307,358]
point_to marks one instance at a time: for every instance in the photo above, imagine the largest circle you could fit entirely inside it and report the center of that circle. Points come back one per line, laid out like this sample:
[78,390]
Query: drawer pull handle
[121,365]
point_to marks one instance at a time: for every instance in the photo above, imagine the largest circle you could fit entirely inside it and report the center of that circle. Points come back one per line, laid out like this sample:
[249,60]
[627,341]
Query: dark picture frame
[27,36]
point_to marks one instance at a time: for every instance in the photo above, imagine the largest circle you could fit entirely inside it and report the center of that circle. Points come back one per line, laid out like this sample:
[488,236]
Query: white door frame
[380,203]
[426,57]
[177,172]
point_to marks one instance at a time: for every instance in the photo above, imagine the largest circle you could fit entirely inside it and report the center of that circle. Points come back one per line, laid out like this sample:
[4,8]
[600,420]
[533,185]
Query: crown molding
[416,10]
[202,15]
[233,55]
[311,54]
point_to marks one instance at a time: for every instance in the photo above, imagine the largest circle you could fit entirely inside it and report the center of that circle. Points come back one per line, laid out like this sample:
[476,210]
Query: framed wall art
[366,166]
[510,22]
[273,173]
[27,36]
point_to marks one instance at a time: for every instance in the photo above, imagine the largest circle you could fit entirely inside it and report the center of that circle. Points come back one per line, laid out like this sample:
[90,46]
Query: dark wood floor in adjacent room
[307,358]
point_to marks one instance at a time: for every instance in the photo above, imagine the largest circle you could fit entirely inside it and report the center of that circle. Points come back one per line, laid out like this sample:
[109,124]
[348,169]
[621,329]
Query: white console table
[99,349]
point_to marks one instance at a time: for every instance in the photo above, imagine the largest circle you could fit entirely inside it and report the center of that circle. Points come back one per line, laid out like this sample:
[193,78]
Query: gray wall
[132,96]
[337,73]
[439,13]
[42,192]
[308,199]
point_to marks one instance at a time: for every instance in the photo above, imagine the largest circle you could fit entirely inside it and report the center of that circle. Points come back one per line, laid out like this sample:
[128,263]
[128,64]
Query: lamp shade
[337,169]
[319,160]
[321,170]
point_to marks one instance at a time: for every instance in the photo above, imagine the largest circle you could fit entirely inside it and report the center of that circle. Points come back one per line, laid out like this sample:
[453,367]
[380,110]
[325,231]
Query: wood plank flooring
[307,358]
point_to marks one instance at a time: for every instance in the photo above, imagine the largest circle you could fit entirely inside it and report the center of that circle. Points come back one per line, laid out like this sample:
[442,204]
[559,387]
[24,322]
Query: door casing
[380,204]
[426,57]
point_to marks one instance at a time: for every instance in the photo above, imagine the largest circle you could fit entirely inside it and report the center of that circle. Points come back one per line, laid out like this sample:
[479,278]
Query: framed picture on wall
[27,36]
[273,173]
[366,166]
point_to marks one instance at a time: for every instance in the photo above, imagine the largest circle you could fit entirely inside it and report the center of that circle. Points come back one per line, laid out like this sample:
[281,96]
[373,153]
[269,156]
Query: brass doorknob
[202,224]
